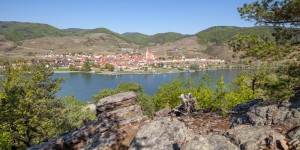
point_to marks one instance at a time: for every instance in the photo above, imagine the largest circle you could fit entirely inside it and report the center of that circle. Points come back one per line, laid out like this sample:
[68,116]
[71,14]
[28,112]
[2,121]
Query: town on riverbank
[129,62]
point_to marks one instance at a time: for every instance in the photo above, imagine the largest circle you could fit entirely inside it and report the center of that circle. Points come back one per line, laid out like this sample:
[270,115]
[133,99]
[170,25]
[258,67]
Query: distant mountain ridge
[36,38]
[18,31]
[221,34]
[144,39]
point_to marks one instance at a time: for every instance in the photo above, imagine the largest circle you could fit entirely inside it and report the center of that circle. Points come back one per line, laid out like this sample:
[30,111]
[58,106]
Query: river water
[85,85]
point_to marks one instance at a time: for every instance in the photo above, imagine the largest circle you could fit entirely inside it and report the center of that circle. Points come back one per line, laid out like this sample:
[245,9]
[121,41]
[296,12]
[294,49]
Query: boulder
[166,133]
[119,118]
[115,102]
[255,137]
[294,133]
[282,116]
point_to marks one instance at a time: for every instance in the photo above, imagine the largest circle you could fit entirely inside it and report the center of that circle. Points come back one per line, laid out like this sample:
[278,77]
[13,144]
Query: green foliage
[256,47]
[130,86]
[146,103]
[165,37]
[204,93]
[159,38]
[194,67]
[208,97]
[275,12]
[16,31]
[222,34]
[104,30]
[73,68]
[137,37]
[29,110]
[122,87]
[75,113]
[103,93]
[110,67]
[274,85]
[86,66]
[167,94]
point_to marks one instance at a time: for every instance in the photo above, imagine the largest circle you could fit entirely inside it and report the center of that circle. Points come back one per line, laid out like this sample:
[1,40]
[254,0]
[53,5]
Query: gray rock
[249,145]
[164,133]
[115,102]
[246,106]
[295,133]
[262,115]
[163,112]
[119,118]
[253,137]
[296,113]
[160,134]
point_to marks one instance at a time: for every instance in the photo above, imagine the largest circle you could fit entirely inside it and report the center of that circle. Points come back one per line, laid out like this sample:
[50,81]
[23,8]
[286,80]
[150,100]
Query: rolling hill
[16,31]
[23,38]
[159,38]
[19,31]
[222,34]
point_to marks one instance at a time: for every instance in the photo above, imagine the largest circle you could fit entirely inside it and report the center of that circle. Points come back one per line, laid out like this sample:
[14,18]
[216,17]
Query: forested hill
[18,31]
[221,34]
[144,39]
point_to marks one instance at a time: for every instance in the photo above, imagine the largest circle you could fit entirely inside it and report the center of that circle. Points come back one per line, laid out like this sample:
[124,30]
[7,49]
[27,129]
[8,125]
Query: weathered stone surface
[160,134]
[115,102]
[164,133]
[121,125]
[285,116]
[119,118]
[253,137]
[162,113]
[294,133]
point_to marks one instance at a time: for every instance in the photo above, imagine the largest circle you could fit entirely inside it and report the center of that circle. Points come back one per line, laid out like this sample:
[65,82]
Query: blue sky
[144,16]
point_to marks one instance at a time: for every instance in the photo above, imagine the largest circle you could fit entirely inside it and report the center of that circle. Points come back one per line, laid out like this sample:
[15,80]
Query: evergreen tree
[284,15]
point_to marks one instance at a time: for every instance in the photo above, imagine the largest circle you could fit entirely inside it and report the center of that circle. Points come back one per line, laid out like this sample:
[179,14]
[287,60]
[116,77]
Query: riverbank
[133,72]
[85,85]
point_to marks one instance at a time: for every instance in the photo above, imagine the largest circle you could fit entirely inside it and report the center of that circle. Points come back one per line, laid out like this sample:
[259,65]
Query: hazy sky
[145,16]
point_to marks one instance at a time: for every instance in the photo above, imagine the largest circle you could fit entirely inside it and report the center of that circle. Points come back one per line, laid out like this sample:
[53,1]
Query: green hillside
[159,38]
[222,34]
[74,31]
[16,31]
[165,37]
[104,30]
[136,37]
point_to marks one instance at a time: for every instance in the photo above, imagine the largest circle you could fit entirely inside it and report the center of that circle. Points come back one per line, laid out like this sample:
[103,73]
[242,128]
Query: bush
[74,115]
[103,93]
[167,95]
[208,97]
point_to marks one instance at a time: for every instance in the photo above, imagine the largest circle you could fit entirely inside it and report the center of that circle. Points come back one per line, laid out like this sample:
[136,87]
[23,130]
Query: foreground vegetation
[30,113]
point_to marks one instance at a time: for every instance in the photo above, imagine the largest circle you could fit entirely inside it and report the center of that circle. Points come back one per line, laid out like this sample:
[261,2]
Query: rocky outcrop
[121,125]
[284,116]
[168,134]
[119,118]
[249,126]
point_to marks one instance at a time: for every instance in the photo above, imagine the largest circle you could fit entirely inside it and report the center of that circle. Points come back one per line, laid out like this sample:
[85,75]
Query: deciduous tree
[29,111]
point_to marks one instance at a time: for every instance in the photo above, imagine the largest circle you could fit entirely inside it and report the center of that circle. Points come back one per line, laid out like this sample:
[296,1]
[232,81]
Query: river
[85,85]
